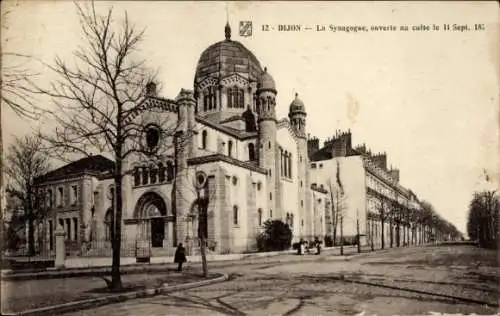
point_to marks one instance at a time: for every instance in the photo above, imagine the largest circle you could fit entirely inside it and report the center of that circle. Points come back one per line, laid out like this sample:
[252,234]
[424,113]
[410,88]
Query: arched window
[281,162]
[209,99]
[235,215]
[204,139]
[255,103]
[259,214]
[170,171]
[145,176]
[235,97]
[241,98]
[251,152]
[212,98]
[137,176]
[205,101]
[288,219]
[229,97]
[152,173]
[290,165]
[229,148]
[285,161]
[161,172]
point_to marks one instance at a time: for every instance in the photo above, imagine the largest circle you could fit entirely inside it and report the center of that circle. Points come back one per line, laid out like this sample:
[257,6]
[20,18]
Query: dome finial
[265,69]
[227,31]
[296,95]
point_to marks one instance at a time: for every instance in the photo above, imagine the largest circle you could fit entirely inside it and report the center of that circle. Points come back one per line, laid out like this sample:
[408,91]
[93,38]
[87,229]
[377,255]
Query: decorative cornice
[206,82]
[152,102]
[234,78]
[70,178]
[219,157]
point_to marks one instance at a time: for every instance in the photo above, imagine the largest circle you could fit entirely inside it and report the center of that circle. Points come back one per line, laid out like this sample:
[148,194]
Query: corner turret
[297,115]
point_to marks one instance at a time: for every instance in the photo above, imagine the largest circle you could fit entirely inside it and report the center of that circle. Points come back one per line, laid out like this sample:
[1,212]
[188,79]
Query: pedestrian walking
[180,256]
[318,245]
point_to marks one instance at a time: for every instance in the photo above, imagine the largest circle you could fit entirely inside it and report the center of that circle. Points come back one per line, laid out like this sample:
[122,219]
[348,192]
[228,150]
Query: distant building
[70,197]
[361,183]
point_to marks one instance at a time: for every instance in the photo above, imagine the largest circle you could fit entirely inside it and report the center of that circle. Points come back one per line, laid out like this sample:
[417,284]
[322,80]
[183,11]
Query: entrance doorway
[157,232]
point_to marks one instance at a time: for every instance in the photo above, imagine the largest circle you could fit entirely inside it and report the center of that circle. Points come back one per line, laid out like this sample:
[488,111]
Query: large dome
[227,57]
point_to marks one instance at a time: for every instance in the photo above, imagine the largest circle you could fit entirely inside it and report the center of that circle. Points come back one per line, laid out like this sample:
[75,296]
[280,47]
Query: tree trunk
[359,237]
[382,246]
[31,235]
[372,223]
[202,208]
[116,282]
[404,235]
[31,226]
[342,235]
[336,221]
[391,233]
[398,234]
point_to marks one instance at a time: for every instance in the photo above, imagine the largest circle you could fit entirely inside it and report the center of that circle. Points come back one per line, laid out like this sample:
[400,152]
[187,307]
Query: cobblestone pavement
[408,281]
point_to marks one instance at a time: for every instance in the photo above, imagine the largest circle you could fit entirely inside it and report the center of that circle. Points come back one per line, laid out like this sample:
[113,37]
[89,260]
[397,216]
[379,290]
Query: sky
[429,99]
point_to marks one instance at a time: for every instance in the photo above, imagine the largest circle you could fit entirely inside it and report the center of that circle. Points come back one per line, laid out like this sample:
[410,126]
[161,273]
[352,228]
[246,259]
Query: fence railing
[104,248]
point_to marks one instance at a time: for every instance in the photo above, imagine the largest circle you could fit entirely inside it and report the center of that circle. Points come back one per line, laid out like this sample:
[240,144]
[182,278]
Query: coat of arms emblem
[245,28]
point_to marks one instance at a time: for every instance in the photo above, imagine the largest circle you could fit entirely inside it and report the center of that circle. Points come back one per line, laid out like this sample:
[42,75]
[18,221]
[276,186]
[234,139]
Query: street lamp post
[200,184]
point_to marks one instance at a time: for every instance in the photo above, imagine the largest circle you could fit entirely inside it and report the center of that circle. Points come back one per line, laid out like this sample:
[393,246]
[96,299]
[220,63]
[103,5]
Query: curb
[136,268]
[116,298]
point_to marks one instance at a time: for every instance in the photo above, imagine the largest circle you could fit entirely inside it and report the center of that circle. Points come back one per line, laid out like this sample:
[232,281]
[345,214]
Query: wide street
[404,281]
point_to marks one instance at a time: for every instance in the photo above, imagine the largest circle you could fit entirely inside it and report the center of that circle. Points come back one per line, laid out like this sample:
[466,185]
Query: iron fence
[42,255]
[104,248]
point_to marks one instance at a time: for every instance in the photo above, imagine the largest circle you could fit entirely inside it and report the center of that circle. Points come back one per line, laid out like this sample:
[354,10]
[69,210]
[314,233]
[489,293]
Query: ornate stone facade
[257,166]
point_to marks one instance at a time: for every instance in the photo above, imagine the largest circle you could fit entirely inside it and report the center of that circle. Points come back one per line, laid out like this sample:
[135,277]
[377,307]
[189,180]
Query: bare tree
[97,102]
[340,204]
[14,83]
[384,215]
[334,197]
[371,217]
[25,162]
[16,75]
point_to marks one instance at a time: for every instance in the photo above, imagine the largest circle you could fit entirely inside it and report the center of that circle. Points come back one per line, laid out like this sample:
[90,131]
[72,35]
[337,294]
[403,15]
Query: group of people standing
[305,247]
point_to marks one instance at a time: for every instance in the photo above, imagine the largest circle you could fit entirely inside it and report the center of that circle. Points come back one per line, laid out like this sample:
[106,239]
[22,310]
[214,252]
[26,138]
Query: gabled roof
[241,135]
[95,165]
[219,157]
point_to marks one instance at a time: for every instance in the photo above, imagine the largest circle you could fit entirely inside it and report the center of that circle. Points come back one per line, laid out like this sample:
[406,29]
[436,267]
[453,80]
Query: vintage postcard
[250,158]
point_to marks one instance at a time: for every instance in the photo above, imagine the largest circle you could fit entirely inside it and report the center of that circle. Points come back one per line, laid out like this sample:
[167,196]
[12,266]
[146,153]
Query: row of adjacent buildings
[258,167]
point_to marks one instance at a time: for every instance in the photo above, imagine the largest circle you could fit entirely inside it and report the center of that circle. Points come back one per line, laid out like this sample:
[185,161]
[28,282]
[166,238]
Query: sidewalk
[58,295]
[161,264]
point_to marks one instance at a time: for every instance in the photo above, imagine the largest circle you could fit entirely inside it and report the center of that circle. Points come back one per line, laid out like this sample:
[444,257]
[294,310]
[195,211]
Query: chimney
[312,146]
[341,144]
[380,160]
[395,174]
